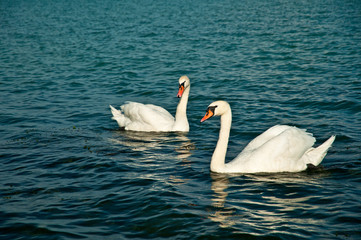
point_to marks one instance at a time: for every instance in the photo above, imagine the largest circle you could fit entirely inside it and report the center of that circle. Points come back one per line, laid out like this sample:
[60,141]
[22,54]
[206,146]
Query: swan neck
[181,120]
[219,154]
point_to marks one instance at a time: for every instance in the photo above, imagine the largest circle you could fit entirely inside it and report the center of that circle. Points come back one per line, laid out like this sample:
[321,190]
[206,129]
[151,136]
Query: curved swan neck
[219,154]
[181,121]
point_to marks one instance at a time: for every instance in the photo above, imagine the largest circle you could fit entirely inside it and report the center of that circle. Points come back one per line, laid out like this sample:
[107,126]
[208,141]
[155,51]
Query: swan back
[146,117]
[281,152]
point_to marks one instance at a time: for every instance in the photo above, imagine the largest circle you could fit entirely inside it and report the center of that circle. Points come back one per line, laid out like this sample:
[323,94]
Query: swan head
[217,108]
[183,84]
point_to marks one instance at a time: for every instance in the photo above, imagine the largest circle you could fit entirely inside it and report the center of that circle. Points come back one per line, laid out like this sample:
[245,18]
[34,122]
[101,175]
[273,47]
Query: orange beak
[181,90]
[208,115]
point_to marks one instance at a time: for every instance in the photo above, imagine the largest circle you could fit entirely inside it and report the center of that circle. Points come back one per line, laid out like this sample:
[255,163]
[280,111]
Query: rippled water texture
[68,172]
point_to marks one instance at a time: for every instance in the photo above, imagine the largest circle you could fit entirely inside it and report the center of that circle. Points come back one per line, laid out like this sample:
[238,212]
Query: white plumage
[148,117]
[281,148]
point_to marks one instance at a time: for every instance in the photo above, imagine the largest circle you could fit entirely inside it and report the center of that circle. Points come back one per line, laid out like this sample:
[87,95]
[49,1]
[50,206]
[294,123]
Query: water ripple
[67,171]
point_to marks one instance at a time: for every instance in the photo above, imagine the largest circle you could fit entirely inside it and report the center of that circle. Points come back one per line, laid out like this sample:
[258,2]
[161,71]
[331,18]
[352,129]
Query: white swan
[279,149]
[150,118]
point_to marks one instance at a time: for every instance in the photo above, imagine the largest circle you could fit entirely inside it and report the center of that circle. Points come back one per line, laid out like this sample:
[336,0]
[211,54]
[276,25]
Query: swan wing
[281,153]
[266,136]
[160,111]
[147,117]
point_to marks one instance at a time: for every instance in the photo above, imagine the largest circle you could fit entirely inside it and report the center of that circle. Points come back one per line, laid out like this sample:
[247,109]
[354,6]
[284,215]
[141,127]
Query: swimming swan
[150,118]
[281,148]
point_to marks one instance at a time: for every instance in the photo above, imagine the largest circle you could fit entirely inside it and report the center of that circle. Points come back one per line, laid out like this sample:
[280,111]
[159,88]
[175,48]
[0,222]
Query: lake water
[68,172]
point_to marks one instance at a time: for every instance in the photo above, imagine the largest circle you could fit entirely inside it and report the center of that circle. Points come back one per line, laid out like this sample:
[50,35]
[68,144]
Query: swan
[151,118]
[281,148]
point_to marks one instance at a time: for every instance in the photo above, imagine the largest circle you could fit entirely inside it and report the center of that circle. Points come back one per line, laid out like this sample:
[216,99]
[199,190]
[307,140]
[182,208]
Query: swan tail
[118,116]
[315,156]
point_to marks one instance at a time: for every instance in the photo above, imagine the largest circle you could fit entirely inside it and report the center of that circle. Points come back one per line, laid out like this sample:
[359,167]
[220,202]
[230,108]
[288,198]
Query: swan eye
[211,109]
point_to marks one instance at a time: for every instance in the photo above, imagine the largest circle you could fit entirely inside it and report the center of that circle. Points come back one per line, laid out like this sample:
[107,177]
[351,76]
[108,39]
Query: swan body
[281,148]
[151,118]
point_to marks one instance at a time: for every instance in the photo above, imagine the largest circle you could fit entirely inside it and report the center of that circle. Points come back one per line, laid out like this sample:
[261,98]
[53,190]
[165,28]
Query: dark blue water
[68,172]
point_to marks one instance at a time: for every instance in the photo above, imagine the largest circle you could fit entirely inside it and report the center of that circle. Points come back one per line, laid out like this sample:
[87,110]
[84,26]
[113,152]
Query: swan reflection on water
[224,215]
[161,152]
[150,141]
[263,201]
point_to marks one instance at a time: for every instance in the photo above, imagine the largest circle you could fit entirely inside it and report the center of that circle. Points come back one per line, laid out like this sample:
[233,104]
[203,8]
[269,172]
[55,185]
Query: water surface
[68,171]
